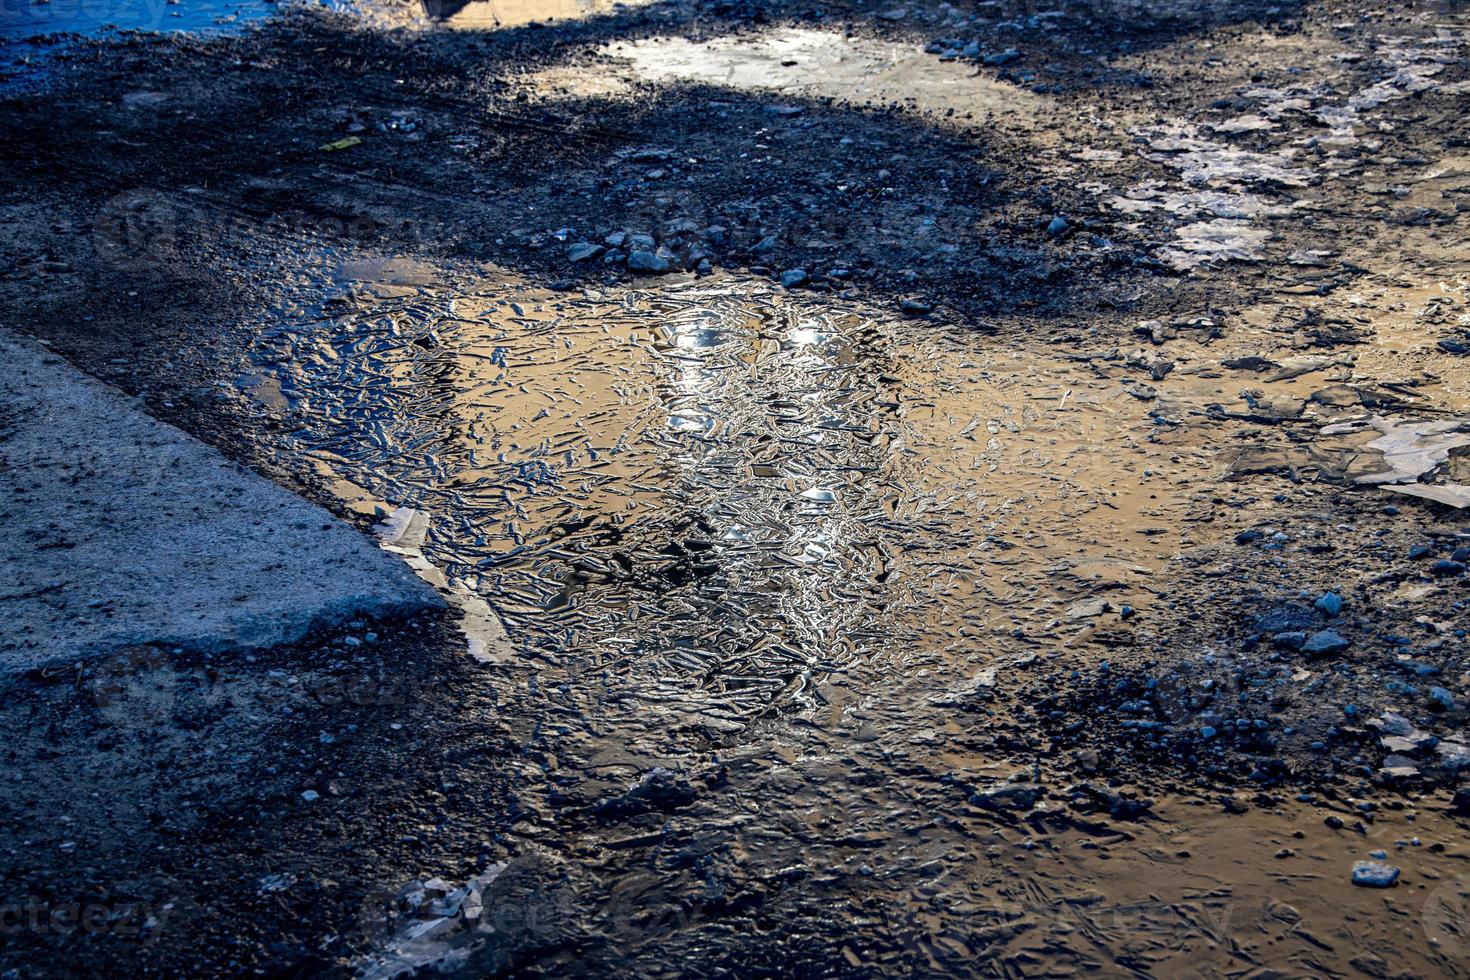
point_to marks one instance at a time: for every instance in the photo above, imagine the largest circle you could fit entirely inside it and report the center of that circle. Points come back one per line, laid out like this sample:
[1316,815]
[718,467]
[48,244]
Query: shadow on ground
[444,153]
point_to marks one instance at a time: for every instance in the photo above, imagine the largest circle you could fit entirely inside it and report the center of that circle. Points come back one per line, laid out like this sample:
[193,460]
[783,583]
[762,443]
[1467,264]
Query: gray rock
[1453,755]
[1057,225]
[1330,603]
[1325,641]
[1374,874]
[582,251]
[1441,699]
[792,278]
[643,260]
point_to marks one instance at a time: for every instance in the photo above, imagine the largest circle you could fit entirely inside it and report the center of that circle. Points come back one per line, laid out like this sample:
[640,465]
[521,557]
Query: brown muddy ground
[887,459]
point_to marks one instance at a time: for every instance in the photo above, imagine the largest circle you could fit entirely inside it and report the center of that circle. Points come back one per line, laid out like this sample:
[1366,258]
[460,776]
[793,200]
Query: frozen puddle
[27,18]
[800,62]
[30,18]
[493,14]
[732,483]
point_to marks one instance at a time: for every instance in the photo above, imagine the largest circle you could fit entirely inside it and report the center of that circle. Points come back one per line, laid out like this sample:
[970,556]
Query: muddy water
[791,540]
[743,486]
[805,63]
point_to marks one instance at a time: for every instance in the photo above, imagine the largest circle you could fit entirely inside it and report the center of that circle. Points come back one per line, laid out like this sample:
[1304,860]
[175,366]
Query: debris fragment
[1453,494]
[1412,449]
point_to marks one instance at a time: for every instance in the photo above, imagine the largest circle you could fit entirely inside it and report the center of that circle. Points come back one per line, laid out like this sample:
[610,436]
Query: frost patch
[1193,204]
[1206,163]
[1220,240]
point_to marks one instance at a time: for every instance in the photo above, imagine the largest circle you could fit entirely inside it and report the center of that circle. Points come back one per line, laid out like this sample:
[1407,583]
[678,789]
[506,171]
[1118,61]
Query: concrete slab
[120,530]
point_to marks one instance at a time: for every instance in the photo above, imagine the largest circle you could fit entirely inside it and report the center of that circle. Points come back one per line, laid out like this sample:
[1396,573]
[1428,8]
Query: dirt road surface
[927,489]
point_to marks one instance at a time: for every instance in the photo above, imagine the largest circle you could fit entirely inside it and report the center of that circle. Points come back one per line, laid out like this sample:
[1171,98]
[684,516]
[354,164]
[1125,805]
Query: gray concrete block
[119,530]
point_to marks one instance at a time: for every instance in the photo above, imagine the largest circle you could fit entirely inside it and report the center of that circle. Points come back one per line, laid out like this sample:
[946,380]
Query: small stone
[792,278]
[1374,874]
[642,260]
[914,307]
[1441,700]
[582,251]
[1292,639]
[1446,568]
[1330,603]
[1326,641]
[311,796]
[1057,225]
